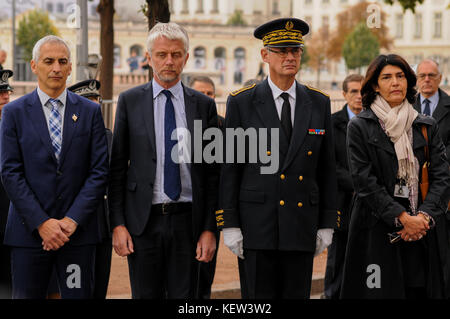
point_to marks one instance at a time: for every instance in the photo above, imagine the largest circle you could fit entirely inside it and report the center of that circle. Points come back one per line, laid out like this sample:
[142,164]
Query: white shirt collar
[276,91]
[43,97]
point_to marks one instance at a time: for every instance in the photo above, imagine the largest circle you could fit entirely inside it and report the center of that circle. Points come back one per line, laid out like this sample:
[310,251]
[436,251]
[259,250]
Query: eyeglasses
[432,76]
[283,52]
[394,237]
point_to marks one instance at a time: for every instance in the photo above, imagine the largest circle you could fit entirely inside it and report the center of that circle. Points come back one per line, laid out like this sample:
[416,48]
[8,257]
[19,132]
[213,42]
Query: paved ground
[226,281]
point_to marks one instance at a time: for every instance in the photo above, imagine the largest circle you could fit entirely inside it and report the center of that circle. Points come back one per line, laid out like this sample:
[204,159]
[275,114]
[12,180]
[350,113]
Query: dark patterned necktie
[286,123]
[427,110]
[172,180]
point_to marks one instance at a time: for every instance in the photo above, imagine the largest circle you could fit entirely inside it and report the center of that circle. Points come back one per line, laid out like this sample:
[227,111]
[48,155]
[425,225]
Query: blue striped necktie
[172,180]
[54,124]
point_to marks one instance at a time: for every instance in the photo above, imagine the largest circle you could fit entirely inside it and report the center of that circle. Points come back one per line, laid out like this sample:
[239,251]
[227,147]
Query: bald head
[428,77]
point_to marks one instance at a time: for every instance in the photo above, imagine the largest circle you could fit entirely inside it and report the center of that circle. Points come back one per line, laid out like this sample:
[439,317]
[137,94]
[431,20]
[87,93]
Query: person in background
[5,259]
[103,253]
[351,90]
[3,56]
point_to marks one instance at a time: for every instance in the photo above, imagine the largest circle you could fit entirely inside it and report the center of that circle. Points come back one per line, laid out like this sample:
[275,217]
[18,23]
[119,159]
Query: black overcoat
[373,165]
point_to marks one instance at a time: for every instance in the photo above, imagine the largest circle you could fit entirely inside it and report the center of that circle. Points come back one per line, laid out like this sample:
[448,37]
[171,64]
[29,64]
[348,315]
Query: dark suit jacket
[252,201]
[344,179]
[41,188]
[133,161]
[442,116]
[103,209]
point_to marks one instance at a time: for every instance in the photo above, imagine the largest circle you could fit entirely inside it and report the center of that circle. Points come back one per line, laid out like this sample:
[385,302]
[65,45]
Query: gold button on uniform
[300,204]
[282,176]
[281,202]
[300,178]
[268,153]
[309,153]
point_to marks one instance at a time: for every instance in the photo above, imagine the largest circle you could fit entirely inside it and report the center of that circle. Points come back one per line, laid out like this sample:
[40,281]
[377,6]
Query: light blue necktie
[54,124]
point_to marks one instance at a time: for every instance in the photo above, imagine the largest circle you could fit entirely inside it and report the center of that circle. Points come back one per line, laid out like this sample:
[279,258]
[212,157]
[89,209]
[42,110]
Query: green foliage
[305,57]
[237,19]
[34,26]
[407,4]
[360,47]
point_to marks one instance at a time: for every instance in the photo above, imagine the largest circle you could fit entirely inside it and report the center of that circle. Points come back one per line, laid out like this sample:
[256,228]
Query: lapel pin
[74,118]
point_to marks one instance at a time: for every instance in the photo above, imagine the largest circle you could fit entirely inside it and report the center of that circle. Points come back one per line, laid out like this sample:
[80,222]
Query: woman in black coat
[398,245]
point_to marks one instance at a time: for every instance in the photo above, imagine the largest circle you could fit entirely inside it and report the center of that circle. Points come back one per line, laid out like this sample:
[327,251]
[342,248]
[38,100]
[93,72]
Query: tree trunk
[157,11]
[106,11]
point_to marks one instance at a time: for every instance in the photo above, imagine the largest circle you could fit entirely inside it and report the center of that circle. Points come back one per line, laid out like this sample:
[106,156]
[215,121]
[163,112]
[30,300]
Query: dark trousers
[335,265]
[103,254]
[275,274]
[5,272]
[206,274]
[163,264]
[32,269]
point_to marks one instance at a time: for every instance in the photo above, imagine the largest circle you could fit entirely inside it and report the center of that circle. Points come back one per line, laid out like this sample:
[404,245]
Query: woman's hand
[414,227]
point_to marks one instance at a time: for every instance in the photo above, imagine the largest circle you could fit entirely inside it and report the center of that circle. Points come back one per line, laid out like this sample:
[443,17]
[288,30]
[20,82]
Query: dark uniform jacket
[282,210]
[373,165]
[344,180]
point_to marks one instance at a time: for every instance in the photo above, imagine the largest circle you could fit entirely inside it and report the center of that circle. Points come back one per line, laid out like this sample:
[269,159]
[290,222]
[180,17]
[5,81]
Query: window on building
[418,25]
[325,1]
[185,7]
[220,62]
[239,65]
[49,7]
[308,2]
[60,7]
[399,26]
[437,25]
[275,7]
[199,6]
[215,6]
[199,58]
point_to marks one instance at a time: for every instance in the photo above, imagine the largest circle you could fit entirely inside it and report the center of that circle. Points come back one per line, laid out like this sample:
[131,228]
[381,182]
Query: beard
[167,77]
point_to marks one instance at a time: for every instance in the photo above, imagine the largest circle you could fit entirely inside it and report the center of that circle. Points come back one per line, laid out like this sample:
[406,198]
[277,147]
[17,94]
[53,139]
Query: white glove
[232,238]
[323,240]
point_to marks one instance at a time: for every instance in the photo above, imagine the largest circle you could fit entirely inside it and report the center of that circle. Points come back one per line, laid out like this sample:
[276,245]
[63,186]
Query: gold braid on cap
[280,36]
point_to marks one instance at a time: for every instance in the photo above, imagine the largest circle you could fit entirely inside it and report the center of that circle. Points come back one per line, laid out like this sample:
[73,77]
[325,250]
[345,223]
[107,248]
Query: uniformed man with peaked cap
[5,87]
[90,89]
[276,223]
[5,260]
